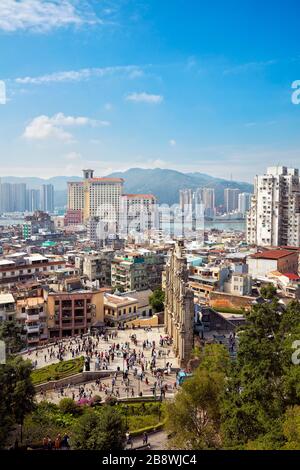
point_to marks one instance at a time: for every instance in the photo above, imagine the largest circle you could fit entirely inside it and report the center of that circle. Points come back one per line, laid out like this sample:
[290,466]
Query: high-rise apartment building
[5,197]
[206,196]
[274,215]
[13,197]
[105,211]
[47,198]
[75,196]
[96,197]
[138,212]
[18,197]
[231,199]
[33,200]
[102,198]
[186,199]
[244,202]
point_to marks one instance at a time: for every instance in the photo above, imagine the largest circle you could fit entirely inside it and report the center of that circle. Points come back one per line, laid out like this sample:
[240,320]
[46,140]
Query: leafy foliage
[194,419]
[268,292]
[101,430]
[264,382]
[157,300]
[11,334]
[68,406]
[16,395]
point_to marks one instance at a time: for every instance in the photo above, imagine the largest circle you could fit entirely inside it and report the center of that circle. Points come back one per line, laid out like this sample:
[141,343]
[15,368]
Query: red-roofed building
[292,277]
[288,283]
[262,263]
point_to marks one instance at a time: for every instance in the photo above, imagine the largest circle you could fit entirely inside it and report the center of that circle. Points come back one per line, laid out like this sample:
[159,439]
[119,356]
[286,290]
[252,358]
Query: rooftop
[292,276]
[272,254]
[6,299]
[117,300]
[107,180]
[31,302]
[140,196]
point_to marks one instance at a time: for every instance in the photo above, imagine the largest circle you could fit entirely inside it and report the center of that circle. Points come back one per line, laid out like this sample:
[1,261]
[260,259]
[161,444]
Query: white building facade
[274,215]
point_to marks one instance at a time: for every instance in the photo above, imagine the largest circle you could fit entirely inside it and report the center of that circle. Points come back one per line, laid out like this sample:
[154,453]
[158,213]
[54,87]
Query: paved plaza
[145,355]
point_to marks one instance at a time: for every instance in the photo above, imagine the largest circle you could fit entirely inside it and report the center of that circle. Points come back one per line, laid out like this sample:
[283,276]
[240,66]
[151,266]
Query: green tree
[291,428]
[157,300]
[268,292]
[264,382]
[16,395]
[67,405]
[193,419]
[11,334]
[101,430]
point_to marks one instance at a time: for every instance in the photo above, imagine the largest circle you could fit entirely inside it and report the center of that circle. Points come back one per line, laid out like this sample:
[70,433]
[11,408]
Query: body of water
[232,225]
[7,222]
[235,225]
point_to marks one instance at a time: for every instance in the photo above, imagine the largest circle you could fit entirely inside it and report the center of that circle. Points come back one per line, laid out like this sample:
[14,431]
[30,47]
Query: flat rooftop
[6,299]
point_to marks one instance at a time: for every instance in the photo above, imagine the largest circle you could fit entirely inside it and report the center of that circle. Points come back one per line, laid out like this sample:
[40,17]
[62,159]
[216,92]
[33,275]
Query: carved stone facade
[179,304]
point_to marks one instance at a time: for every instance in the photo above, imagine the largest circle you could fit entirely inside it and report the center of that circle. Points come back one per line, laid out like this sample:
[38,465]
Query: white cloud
[72,156]
[136,73]
[248,67]
[44,15]
[3,98]
[45,127]
[108,107]
[172,143]
[144,98]
[79,75]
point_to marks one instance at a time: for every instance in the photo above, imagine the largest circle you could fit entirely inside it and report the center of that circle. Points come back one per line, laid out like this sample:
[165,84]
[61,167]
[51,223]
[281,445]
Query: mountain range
[163,183]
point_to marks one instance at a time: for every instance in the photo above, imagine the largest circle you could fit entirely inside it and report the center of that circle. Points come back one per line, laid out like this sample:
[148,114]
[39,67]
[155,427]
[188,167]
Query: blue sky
[192,85]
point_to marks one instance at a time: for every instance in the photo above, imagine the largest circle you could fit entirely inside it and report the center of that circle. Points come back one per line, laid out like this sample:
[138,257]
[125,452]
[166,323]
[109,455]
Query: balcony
[32,318]
[32,329]
[33,339]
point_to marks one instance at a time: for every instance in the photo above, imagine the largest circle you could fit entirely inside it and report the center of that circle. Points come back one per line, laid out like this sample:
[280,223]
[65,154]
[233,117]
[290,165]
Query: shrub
[97,400]
[67,405]
[104,430]
[111,400]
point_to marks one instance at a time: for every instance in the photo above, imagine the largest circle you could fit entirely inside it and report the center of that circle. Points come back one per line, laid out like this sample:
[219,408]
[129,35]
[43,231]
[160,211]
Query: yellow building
[119,309]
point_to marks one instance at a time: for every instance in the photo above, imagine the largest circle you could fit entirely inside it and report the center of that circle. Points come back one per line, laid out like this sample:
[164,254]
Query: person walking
[57,443]
[49,443]
[65,442]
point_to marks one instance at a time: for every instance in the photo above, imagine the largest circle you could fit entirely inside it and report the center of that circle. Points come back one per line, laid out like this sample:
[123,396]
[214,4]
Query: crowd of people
[59,443]
[137,374]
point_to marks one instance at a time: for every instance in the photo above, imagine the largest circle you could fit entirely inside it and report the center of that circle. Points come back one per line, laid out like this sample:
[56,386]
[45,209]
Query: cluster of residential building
[16,197]
[63,286]
[235,201]
[104,208]
[57,281]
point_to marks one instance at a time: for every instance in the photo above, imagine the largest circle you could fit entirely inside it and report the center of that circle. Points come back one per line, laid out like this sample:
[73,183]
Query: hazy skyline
[191,86]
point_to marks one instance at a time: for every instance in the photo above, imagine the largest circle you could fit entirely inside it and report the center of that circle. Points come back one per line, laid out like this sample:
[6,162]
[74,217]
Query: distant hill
[59,182]
[164,184]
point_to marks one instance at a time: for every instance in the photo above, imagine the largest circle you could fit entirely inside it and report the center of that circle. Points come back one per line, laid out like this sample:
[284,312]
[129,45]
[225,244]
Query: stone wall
[74,380]
[155,320]
[179,304]
[223,300]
